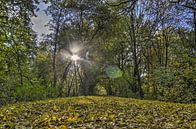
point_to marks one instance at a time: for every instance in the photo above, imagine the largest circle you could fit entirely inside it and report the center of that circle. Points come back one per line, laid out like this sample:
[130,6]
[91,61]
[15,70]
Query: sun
[75,57]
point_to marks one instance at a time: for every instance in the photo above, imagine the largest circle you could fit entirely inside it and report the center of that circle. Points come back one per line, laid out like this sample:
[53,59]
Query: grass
[98,113]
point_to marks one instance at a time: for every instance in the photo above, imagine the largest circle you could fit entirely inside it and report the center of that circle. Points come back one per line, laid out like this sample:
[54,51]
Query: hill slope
[98,112]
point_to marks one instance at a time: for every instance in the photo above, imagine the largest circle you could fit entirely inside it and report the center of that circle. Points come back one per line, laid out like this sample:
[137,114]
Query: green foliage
[16,48]
[98,112]
[175,86]
[163,78]
[100,90]
[27,93]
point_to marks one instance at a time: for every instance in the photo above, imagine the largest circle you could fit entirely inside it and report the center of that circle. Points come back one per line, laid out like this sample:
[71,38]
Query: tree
[17,45]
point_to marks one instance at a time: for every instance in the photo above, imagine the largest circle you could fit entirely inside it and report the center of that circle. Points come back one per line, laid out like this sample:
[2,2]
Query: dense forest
[143,49]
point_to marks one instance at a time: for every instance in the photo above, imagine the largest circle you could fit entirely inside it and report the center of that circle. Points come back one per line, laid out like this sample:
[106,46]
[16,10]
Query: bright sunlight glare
[75,57]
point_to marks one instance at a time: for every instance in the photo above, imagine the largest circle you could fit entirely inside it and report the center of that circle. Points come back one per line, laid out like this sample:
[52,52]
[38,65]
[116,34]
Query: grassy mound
[98,112]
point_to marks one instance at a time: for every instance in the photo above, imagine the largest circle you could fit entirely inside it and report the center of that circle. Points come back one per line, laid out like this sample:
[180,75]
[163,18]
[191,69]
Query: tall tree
[17,44]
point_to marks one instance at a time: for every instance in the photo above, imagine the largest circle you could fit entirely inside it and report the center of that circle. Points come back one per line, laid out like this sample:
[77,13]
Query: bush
[28,92]
[174,86]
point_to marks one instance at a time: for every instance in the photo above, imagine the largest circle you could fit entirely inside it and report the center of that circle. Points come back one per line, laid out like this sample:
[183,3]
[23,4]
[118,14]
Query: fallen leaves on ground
[98,113]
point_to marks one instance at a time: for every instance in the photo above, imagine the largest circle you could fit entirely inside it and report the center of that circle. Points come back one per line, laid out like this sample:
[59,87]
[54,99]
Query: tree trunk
[195,27]
[166,48]
[136,73]
[55,48]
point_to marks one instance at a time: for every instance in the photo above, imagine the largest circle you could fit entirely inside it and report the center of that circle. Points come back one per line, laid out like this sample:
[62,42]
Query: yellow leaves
[54,119]
[56,127]
[111,116]
[70,109]
[63,127]
[4,118]
[100,112]
[141,119]
[84,101]
[55,108]
[72,119]
[7,116]
[91,117]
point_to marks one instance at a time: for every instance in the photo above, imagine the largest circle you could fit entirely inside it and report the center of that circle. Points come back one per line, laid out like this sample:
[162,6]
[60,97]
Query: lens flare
[75,57]
[75,47]
[114,72]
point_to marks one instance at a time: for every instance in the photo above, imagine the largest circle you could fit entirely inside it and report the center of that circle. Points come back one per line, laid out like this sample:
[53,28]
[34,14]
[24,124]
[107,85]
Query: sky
[40,22]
